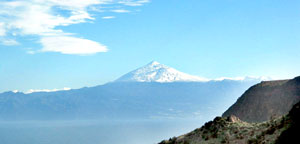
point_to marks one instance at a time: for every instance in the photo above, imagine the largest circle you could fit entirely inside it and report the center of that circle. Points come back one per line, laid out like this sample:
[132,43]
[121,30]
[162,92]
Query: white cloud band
[71,45]
[42,18]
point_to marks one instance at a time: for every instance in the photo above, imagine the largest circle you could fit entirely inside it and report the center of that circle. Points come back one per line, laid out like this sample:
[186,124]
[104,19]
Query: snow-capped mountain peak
[153,63]
[156,72]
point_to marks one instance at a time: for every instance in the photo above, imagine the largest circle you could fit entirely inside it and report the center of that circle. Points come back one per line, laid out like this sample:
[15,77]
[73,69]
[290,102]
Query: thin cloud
[134,3]
[9,42]
[108,17]
[43,17]
[2,29]
[71,45]
[37,18]
[120,11]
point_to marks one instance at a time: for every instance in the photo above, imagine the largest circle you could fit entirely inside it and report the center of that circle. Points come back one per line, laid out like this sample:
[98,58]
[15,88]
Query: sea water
[94,131]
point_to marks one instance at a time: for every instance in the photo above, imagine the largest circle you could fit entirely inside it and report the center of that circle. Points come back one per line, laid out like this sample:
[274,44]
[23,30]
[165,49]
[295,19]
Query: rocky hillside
[265,100]
[232,130]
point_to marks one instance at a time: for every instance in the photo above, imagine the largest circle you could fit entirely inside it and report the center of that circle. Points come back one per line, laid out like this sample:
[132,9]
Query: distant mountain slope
[284,130]
[265,100]
[152,91]
[126,100]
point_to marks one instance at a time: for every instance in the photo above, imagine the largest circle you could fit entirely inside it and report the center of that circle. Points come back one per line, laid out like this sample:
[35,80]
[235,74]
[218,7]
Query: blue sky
[47,44]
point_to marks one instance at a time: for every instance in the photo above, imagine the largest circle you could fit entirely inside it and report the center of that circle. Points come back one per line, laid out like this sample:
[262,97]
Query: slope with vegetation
[232,130]
[268,112]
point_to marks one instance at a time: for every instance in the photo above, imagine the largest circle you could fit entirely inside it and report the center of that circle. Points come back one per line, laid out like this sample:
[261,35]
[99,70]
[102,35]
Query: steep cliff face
[230,129]
[265,100]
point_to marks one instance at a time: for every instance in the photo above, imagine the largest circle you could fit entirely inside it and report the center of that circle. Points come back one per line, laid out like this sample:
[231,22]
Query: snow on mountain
[156,72]
[246,78]
[45,90]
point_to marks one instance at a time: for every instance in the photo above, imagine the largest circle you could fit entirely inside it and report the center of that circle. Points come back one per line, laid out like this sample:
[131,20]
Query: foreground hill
[232,130]
[265,100]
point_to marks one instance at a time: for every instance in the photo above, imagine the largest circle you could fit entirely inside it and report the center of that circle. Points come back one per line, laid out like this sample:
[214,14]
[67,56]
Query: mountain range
[150,92]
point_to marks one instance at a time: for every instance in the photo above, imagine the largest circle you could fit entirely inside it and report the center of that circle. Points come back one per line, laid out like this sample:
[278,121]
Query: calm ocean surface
[93,131]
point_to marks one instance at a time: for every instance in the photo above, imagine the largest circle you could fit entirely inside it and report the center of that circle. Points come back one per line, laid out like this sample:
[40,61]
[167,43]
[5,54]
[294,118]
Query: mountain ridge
[125,100]
[282,130]
[265,100]
[268,112]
